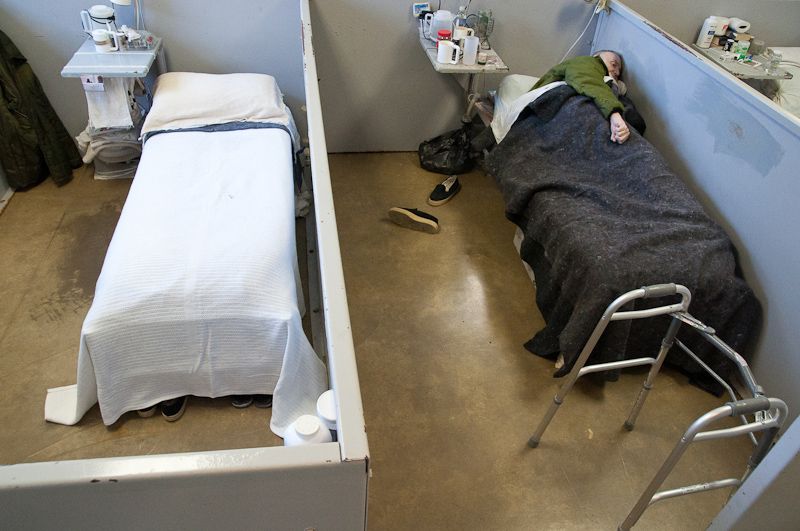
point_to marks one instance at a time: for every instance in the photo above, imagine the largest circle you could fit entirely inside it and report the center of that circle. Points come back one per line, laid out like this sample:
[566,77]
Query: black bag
[448,153]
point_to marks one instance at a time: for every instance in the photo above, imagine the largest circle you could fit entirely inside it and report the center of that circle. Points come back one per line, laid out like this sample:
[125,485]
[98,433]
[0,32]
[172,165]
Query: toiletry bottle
[707,32]
[461,19]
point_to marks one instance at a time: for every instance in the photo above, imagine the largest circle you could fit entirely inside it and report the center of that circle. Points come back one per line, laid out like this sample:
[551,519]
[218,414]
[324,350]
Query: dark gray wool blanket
[601,219]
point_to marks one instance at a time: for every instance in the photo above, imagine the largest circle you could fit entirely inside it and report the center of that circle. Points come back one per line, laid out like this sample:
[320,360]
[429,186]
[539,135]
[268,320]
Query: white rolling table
[494,65]
[133,62]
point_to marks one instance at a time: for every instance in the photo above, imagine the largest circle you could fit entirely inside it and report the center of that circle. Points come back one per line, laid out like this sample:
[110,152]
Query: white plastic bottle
[461,18]
[707,32]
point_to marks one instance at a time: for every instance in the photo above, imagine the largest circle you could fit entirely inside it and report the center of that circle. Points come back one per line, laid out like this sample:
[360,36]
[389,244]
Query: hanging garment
[33,141]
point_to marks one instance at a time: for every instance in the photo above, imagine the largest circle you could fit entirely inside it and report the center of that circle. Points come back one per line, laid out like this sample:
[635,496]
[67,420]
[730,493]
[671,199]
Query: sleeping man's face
[612,62]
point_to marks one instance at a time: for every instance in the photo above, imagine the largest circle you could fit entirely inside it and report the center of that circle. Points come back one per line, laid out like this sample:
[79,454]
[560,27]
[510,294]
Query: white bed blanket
[199,293]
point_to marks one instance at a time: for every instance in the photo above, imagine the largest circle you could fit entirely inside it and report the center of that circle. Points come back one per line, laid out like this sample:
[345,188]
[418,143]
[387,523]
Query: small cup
[102,40]
[307,429]
[460,32]
[483,57]
[326,409]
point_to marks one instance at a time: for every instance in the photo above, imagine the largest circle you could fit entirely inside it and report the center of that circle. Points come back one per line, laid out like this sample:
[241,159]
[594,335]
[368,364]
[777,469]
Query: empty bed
[199,292]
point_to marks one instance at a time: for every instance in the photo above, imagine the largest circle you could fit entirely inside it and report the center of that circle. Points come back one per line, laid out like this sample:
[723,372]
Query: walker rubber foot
[533,443]
[628,426]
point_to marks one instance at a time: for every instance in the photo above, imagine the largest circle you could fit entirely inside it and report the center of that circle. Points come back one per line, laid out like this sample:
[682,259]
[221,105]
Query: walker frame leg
[647,386]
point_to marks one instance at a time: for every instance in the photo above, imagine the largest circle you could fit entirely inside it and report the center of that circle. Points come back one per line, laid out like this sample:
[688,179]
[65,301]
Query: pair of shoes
[444,191]
[262,401]
[147,412]
[241,401]
[173,409]
[411,218]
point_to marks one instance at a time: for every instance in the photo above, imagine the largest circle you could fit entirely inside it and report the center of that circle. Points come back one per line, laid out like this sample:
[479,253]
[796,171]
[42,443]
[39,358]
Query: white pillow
[184,100]
[515,85]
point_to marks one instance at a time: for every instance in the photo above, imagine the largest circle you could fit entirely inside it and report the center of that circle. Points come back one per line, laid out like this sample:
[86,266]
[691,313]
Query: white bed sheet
[199,292]
[513,95]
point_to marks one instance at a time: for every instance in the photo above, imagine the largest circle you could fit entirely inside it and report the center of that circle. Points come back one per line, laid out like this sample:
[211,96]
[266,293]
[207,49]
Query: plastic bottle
[707,32]
[461,19]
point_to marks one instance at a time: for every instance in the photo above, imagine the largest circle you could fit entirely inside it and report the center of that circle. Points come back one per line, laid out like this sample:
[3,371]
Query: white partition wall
[321,486]
[740,154]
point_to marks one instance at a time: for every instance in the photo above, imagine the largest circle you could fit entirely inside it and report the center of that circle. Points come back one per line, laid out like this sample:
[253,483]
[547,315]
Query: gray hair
[621,59]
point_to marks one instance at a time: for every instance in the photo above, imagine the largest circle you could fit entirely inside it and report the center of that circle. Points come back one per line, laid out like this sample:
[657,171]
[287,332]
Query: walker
[768,414]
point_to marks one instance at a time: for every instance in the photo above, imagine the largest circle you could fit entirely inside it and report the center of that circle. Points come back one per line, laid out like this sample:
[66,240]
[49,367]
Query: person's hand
[619,129]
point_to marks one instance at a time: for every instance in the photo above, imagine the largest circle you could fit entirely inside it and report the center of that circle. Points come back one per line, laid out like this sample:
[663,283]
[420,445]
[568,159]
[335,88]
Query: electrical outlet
[92,83]
[419,7]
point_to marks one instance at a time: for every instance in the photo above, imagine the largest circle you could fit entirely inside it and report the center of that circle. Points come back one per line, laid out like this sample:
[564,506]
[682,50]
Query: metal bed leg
[666,344]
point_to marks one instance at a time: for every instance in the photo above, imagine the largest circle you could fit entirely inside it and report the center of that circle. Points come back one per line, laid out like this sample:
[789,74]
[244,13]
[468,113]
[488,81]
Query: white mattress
[199,293]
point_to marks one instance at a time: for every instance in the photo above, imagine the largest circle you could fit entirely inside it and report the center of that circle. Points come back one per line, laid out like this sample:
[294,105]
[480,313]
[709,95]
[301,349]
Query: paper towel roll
[722,24]
[738,25]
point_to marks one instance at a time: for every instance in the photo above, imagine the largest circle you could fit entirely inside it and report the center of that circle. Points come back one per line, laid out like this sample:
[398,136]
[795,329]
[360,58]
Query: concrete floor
[450,394]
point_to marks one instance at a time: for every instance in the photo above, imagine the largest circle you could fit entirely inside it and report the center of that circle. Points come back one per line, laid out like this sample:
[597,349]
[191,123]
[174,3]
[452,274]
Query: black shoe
[411,218]
[241,401]
[147,412]
[173,409]
[262,401]
[444,191]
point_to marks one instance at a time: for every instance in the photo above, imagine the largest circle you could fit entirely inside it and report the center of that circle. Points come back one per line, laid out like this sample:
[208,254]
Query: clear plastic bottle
[461,18]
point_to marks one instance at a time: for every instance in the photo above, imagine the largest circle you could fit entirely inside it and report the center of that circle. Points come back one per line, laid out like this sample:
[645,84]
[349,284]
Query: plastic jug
[440,20]
[448,52]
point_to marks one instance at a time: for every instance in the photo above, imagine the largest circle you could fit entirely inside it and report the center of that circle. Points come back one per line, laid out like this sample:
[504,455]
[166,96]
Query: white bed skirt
[199,292]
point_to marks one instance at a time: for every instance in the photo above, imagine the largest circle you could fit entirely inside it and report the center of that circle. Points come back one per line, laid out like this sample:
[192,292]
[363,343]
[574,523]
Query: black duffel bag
[448,153]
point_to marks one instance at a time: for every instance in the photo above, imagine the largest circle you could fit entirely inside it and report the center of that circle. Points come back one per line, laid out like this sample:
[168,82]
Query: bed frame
[322,486]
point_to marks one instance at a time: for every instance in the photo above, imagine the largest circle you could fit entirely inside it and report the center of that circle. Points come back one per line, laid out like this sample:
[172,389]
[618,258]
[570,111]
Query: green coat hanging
[33,141]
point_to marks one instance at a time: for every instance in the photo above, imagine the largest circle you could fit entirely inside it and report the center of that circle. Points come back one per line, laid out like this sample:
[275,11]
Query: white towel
[112,106]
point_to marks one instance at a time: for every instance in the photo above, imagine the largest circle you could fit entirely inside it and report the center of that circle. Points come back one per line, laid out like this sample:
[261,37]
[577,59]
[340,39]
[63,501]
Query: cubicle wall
[321,486]
[740,154]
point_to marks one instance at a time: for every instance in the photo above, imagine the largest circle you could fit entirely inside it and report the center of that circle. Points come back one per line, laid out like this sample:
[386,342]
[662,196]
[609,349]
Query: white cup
[326,409]
[461,32]
[471,50]
[448,52]
[307,429]
[102,40]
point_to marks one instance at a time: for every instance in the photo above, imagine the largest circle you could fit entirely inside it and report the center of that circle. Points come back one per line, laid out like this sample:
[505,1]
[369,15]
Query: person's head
[613,62]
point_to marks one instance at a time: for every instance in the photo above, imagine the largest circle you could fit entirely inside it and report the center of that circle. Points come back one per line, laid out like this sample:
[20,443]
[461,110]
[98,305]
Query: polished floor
[450,395]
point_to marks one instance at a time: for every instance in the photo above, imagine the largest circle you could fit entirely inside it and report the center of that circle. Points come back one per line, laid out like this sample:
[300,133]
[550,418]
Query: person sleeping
[587,75]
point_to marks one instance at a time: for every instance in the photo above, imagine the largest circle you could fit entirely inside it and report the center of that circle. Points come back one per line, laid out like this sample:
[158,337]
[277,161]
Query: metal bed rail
[768,414]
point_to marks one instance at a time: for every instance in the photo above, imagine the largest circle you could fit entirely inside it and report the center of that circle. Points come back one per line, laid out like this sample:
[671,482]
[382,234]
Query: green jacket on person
[585,74]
